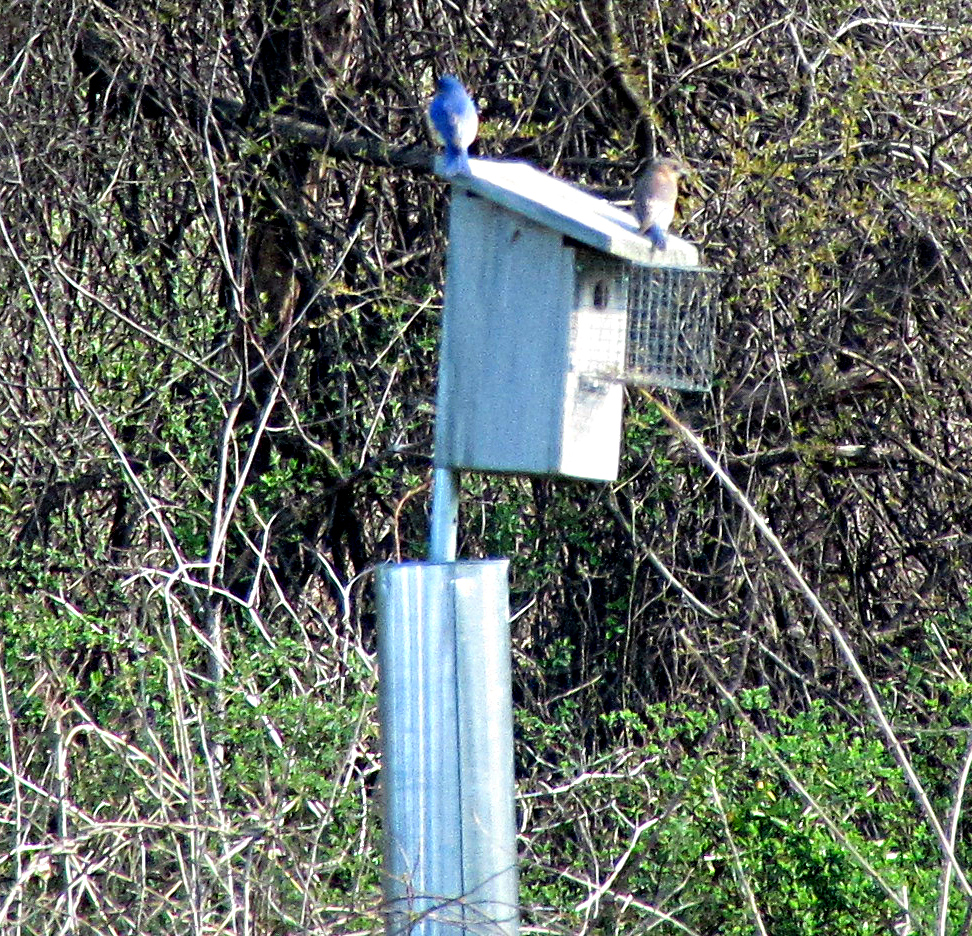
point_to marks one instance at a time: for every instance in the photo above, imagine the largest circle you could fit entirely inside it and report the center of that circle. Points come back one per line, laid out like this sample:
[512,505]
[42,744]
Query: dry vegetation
[221,258]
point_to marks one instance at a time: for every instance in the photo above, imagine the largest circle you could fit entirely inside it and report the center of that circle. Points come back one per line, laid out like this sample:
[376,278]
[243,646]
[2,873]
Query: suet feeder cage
[552,302]
[671,327]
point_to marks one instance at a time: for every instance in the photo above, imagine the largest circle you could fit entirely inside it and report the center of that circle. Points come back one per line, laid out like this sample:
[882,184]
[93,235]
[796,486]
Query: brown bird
[654,199]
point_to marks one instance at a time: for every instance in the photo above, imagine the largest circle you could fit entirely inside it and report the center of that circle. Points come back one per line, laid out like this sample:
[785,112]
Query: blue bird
[455,120]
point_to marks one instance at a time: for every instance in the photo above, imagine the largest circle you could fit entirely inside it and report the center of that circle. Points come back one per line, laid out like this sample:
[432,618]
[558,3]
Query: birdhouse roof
[556,204]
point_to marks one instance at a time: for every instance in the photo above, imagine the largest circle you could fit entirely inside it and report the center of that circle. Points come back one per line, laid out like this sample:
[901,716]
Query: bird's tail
[658,237]
[456,162]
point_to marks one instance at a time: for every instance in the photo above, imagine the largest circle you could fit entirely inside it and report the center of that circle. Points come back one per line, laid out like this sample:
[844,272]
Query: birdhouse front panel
[594,397]
[599,320]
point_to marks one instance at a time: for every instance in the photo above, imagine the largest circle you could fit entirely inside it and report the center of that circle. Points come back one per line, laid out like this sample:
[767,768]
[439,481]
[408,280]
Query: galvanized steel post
[447,748]
[445,516]
[486,776]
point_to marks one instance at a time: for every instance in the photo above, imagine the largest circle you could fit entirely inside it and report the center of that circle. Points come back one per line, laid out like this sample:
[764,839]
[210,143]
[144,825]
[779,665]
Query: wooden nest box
[552,302]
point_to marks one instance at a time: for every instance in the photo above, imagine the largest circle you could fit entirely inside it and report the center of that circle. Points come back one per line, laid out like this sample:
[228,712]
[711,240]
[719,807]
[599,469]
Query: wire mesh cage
[671,326]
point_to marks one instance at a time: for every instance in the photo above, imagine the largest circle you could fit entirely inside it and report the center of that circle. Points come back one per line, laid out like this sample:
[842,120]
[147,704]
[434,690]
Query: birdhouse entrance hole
[600,294]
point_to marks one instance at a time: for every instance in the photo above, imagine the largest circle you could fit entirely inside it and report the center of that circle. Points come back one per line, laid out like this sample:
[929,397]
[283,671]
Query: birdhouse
[552,302]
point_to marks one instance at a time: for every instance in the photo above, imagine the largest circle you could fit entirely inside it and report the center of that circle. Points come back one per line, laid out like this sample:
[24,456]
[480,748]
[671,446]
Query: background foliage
[221,257]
